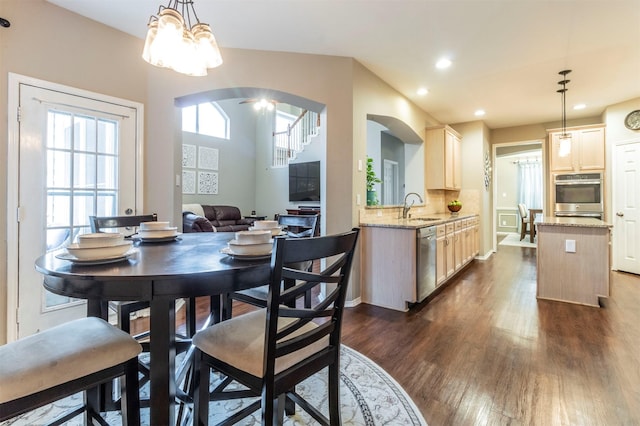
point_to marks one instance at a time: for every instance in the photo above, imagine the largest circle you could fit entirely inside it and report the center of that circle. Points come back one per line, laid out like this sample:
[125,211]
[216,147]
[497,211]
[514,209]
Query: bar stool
[73,357]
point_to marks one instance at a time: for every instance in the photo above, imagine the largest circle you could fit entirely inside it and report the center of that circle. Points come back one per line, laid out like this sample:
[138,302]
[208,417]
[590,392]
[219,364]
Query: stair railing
[288,143]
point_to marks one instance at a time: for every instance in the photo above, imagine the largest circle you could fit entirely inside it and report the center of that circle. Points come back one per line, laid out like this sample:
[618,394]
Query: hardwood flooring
[486,352]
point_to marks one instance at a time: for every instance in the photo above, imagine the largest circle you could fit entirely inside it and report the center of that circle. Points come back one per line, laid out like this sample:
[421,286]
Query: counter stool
[70,358]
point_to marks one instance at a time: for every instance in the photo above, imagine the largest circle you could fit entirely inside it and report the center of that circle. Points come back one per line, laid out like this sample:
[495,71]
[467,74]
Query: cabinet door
[591,149]
[458,250]
[561,161]
[450,263]
[456,163]
[449,154]
[441,260]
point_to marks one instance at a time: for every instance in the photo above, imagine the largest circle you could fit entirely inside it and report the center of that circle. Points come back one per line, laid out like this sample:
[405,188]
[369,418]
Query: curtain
[530,185]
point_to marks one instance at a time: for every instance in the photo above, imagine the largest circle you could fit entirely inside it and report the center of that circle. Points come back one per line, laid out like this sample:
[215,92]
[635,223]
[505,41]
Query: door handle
[619,214]
[128,212]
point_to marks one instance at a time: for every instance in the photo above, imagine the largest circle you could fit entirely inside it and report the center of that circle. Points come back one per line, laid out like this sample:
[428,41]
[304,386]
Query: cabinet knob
[620,214]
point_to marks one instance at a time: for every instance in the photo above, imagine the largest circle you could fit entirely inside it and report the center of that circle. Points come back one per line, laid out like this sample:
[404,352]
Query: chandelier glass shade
[172,42]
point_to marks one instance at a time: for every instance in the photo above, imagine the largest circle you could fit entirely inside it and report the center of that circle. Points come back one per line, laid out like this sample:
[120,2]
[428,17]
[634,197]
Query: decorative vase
[372,200]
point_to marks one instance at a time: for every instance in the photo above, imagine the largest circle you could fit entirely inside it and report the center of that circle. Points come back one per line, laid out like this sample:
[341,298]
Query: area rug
[514,240]
[368,396]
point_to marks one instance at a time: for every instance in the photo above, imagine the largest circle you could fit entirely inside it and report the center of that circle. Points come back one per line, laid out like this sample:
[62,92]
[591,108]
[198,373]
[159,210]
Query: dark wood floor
[486,352]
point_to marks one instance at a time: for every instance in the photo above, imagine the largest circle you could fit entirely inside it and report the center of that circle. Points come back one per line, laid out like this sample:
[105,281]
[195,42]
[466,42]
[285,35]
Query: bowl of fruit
[454,206]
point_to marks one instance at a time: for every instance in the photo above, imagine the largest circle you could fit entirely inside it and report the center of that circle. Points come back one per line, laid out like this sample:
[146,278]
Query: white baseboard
[352,303]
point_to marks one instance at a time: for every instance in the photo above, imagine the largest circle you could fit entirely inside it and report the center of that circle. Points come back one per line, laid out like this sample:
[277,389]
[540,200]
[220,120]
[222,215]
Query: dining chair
[124,309]
[524,221]
[76,356]
[271,350]
[295,226]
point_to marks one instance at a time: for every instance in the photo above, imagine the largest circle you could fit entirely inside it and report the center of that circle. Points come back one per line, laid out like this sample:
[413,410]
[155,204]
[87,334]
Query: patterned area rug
[368,396]
[514,240]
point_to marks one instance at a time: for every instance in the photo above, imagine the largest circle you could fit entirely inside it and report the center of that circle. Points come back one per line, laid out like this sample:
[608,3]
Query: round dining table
[192,265]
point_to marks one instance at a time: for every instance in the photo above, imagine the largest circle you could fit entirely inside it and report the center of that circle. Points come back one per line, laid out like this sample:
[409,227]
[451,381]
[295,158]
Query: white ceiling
[506,53]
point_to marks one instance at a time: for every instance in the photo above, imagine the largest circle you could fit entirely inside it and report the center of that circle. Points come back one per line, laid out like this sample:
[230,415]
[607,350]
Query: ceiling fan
[261,103]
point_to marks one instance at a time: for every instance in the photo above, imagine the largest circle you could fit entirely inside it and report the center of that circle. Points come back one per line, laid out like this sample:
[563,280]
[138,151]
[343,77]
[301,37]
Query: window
[206,119]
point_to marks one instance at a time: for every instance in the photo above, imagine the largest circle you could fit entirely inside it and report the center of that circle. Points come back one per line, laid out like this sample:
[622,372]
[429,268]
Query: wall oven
[579,194]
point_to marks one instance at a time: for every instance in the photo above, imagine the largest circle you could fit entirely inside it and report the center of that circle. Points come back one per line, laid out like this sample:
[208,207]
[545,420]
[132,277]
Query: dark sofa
[213,219]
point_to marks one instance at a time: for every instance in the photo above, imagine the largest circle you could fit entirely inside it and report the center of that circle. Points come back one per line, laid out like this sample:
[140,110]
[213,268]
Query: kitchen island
[401,265]
[573,259]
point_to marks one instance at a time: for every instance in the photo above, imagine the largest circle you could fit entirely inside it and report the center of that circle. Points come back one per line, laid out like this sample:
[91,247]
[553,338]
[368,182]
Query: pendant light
[173,42]
[565,138]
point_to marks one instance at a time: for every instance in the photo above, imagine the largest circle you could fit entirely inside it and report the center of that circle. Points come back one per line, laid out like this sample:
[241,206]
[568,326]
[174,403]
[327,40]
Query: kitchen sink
[423,219]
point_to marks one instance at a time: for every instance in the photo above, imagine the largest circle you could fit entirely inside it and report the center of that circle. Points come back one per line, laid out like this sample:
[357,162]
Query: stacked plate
[271,225]
[93,249]
[253,244]
[157,232]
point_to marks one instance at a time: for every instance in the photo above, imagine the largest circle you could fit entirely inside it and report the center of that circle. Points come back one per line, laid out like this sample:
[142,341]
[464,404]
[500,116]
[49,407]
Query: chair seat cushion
[239,342]
[61,354]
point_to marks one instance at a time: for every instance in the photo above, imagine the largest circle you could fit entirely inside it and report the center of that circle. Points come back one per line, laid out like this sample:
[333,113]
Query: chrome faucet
[405,207]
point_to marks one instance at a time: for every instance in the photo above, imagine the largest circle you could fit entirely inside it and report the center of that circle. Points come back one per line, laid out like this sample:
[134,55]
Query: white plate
[250,249]
[274,231]
[228,252]
[88,262]
[156,240]
[100,239]
[96,253]
[152,226]
[158,233]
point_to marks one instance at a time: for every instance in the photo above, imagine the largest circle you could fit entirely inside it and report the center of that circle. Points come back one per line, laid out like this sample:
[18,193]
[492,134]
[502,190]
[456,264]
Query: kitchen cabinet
[389,250]
[389,266]
[443,147]
[585,150]
[458,243]
[577,272]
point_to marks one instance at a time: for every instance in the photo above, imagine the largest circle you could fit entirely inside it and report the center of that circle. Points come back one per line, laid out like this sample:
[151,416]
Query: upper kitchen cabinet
[583,152]
[442,158]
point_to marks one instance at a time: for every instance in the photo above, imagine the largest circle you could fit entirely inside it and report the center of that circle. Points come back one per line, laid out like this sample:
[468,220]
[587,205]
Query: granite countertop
[414,222]
[585,222]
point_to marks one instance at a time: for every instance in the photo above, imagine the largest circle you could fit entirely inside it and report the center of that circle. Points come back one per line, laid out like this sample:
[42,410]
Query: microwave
[579,194]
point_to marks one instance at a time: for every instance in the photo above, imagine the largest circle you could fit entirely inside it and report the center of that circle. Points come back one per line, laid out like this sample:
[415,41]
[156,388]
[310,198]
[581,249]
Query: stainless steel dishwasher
[426,261]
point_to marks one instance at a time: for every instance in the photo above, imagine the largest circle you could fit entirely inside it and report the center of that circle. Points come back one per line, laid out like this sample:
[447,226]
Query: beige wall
[93,57]
[49,43]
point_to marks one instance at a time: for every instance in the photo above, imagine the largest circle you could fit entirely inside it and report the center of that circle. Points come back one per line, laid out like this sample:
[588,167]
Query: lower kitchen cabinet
[457,244]
[390,259]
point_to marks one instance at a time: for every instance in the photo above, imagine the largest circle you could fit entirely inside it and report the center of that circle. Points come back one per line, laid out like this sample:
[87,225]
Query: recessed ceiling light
[422,91]
[579,106]
[479,113]
[443,63]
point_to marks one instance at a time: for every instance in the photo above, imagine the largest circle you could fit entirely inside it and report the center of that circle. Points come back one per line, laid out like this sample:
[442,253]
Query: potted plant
[372,179]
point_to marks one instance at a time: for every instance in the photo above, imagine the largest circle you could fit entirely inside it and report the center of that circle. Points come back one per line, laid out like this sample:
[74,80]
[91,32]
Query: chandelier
[173,42]
[565,138]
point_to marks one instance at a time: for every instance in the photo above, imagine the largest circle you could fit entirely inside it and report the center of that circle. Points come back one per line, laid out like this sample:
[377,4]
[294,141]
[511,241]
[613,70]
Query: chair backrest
[98,224]
[523,210]
[290,329]
[299,225]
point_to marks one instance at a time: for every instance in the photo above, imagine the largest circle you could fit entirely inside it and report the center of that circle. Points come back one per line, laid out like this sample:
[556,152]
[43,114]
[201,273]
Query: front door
[626,207]
[77,157]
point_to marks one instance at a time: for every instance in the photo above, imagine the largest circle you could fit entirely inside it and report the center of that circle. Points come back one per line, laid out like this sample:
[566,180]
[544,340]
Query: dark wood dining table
[160,273]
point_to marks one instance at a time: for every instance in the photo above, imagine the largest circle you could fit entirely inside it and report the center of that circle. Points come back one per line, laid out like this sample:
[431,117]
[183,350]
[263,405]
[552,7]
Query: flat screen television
[304,181]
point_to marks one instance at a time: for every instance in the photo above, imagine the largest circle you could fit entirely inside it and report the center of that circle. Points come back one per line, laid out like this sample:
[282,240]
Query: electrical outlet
[570,246]
[357,199]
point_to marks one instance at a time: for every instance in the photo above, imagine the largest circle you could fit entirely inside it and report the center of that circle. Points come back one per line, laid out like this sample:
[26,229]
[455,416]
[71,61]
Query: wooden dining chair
[295,226]
[524,221]
[123,309]
[73,357]
[271,350]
